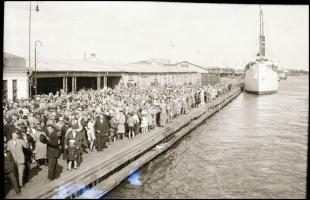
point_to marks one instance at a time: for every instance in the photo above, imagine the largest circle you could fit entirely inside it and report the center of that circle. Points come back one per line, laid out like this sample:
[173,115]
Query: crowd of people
[41,130]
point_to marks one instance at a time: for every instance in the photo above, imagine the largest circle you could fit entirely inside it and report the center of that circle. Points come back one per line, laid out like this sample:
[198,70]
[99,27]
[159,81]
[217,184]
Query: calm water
[256,147]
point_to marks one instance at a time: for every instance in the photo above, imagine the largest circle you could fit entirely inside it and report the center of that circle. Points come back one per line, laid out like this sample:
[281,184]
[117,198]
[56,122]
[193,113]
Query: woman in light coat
[40,148]
[121,120]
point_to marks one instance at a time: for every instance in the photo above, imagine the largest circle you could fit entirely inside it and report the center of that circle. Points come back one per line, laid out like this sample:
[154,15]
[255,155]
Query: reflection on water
[256,147]
[133,179]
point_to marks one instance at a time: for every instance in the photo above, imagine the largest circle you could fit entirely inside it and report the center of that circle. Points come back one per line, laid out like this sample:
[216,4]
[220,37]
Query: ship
[261,75]
[281,75]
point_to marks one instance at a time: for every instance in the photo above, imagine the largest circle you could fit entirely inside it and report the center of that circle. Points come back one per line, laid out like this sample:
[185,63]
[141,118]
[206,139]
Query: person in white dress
[91,132]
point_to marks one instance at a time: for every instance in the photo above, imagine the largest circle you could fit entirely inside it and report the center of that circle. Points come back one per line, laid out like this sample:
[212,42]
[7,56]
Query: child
[136,124]
[72,155]
[113,128]
[131,123]
[121,129]
[150,121]
[144,122]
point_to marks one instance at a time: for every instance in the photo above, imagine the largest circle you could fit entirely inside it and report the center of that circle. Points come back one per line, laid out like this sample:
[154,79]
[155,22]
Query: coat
[121,123]
[9,163]
[52,145]
[8,130]
[63,135]
[40,148]
[113,125]
[79,138]
[131,121]
[28,152]
[17,150]
[72,153]
[102,131]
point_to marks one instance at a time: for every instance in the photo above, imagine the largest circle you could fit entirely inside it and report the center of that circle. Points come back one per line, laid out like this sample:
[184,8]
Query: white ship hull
[260,78]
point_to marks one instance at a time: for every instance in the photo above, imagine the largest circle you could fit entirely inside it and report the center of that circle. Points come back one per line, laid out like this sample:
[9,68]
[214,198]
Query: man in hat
[9,169]
[52,152]
[15,146]
[64,130]
[28,152]
[102,130]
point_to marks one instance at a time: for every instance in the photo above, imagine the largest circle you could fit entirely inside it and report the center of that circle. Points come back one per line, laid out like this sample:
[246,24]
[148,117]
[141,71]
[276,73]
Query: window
[14,90]
[5,89]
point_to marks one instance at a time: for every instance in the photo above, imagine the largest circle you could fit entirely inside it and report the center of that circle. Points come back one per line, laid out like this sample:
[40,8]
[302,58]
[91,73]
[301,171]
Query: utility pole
[29,41]
[35,66]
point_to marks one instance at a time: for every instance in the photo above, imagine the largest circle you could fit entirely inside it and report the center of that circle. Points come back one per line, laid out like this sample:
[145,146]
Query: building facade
[15,82]
[72,75]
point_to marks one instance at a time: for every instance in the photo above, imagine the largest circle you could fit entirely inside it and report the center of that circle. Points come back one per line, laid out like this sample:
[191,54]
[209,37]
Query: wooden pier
[102,171]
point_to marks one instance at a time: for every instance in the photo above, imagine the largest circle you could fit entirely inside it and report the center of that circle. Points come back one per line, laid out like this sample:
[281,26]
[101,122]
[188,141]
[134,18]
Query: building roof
[60,65]
[94,65]
[8,55]
[192,67]
[13,63]
[158,61]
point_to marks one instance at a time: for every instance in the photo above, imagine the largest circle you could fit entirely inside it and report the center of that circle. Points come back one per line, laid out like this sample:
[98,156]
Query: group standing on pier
[40,130]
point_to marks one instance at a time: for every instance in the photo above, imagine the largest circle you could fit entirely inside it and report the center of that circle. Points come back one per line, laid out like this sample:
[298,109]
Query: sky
[204,34]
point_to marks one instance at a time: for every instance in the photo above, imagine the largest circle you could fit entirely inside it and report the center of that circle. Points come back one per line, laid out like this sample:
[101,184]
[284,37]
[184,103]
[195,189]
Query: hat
[74,126]
[43,138]
[66,119]
[52,125]
[23,129]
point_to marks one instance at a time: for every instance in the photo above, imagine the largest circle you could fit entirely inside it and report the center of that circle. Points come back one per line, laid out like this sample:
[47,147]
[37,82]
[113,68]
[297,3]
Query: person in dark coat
[28,152]
[113,129]
[52,152]
[102,131]
[72,154]
[10,169]
[79,137]
[8,128]
[64,130]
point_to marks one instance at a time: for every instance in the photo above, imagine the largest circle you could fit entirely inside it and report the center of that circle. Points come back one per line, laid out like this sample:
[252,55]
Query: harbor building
[15,78]
[51,75]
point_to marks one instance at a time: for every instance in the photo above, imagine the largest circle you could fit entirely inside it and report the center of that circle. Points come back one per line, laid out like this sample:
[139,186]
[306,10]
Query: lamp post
[35,65]
[29,37]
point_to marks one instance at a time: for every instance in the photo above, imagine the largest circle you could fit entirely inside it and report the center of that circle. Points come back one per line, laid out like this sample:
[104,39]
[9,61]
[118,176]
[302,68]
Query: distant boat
[282,75]
[261,76]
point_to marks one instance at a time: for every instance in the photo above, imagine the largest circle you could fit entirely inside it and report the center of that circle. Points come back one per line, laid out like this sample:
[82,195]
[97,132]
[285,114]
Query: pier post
[73,84]
[64,84]
[105,81]
[98,82]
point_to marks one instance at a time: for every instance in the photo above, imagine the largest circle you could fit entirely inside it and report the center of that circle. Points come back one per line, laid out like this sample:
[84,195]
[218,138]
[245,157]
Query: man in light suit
[15,146]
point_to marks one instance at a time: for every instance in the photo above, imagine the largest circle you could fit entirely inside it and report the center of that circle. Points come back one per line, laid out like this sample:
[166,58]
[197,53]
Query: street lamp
[29,44]
[35,66]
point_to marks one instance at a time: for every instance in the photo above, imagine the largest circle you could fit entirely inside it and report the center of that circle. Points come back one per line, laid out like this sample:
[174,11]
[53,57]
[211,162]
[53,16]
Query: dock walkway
[124,154]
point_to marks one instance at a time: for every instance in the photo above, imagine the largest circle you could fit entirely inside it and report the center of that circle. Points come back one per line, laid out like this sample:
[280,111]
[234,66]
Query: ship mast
[261,34]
